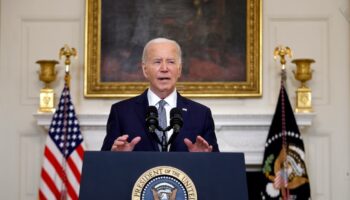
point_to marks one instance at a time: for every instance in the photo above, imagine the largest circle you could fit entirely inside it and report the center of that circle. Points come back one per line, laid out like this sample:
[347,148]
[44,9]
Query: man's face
[162,68]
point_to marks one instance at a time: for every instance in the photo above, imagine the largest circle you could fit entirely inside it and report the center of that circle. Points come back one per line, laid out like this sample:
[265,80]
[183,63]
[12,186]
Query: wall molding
[236,132]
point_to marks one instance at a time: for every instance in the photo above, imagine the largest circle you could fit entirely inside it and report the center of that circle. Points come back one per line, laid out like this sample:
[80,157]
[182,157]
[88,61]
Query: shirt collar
[153,99]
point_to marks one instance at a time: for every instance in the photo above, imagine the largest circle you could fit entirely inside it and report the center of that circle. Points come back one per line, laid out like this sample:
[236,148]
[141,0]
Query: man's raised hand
[122,144]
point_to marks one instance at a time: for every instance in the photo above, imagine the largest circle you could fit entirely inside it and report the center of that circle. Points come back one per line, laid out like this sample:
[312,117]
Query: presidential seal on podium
[164,183]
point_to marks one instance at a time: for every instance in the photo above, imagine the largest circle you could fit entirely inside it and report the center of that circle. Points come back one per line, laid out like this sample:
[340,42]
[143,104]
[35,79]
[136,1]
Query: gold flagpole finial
[282,52]
[67,52]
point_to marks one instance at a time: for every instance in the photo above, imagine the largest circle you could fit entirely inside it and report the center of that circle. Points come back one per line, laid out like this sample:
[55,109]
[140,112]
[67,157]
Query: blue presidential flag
[284,169]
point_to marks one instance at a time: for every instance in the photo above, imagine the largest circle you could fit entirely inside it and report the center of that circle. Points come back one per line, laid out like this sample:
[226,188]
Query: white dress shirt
[171,102]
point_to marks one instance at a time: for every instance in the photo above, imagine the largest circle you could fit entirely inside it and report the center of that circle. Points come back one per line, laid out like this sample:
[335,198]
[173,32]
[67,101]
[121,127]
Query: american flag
[63,154]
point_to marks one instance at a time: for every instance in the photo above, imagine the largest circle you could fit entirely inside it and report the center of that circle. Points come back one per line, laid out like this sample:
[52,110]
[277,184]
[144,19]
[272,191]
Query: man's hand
[122,144]
[199,146]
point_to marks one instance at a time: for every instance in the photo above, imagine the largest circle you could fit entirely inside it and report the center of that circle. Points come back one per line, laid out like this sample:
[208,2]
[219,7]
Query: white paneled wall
[41,39]
[30,164]
[36,29]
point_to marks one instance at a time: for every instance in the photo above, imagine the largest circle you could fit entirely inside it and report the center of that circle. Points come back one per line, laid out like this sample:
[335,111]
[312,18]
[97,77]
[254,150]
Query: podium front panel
[113,175]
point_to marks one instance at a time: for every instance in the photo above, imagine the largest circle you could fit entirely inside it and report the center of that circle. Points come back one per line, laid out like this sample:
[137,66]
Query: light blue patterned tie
[161,118]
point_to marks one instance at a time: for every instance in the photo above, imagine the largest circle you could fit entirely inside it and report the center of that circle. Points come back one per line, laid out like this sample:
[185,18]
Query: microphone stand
[164,143]
[152,123]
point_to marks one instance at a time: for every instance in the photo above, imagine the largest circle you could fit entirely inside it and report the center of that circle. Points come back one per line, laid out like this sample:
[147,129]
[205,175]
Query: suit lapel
[182,104]
[141,106]
[141,109]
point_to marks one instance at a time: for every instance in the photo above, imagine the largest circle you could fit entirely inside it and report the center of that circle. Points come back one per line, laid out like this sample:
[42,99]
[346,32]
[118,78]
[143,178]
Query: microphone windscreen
[152,118]
[175,112]
[176,120]
[152,110]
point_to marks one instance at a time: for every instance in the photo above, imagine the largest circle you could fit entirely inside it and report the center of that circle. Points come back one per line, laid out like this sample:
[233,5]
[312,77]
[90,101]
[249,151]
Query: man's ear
[180,71]
[144,70]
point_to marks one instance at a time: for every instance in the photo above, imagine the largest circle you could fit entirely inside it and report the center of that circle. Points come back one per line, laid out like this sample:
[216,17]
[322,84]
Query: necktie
[161,118]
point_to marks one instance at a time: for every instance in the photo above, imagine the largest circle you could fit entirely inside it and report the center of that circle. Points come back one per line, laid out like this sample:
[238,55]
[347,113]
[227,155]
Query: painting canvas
[218,53]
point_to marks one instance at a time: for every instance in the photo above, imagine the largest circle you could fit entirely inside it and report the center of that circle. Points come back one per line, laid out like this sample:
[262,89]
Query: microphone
[176,122]
[152,118]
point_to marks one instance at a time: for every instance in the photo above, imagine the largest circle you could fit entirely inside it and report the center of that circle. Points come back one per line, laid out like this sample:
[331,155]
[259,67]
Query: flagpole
[282,52]
[67,52]
[285,176]
[64,148]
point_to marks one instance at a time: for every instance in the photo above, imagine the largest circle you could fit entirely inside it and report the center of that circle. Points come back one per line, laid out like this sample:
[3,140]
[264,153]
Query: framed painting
[220,42]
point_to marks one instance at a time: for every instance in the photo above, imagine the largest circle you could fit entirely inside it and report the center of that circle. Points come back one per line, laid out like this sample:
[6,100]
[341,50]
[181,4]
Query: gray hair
[161,40]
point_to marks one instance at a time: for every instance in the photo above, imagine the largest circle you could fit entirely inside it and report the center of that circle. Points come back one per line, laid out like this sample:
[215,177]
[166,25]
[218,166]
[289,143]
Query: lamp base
[304,100]
[47,100]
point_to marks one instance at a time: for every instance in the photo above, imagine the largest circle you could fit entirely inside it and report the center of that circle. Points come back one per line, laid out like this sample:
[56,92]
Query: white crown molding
[235,121]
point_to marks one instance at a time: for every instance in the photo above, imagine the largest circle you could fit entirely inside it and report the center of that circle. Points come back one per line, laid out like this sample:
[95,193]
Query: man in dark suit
[126,126]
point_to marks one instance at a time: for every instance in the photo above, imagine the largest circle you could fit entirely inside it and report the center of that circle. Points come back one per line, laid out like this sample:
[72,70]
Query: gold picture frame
[98,83]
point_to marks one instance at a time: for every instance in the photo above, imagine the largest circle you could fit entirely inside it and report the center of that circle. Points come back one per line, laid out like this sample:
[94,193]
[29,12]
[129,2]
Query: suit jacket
[128,117]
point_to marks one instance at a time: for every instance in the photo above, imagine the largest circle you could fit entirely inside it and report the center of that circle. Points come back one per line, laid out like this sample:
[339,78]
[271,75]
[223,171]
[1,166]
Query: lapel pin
[184,109]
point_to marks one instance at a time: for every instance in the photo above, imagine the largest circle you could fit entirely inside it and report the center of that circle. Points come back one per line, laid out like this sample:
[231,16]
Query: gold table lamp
[47,74]
[303,73]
